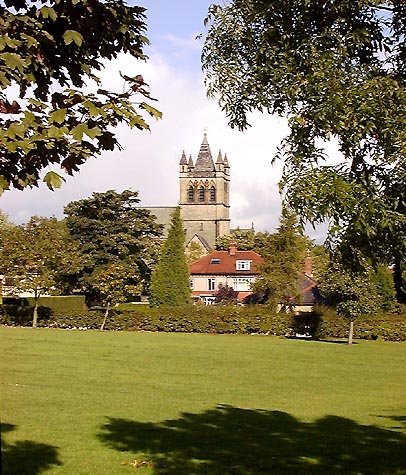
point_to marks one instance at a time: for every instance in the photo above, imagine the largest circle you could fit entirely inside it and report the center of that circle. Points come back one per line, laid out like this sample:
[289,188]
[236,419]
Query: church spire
[183,160]
[204,160]
[219,157]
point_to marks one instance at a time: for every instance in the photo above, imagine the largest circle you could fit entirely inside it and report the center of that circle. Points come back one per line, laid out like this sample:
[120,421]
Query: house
[308,291]
[234,268]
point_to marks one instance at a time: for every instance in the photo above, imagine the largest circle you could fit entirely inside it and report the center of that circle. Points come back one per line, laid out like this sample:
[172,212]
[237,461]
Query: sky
[149,161]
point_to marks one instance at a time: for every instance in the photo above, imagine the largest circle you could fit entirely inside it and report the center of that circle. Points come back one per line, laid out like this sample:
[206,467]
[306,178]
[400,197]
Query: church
[204,198]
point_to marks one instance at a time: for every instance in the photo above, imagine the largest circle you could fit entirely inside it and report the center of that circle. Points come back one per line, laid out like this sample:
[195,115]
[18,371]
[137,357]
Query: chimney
[232,250]
[308,266]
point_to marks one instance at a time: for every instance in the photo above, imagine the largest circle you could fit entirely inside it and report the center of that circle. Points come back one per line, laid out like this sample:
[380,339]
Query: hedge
[323,323]
[57,304]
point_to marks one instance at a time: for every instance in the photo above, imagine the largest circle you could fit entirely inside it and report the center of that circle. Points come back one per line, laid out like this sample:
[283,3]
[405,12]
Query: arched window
[191,194]
[213,193]
[202,194]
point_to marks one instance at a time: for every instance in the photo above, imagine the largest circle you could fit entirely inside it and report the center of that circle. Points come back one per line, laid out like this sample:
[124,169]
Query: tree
[243,237]
[283,256]
[356,292]
[49,50]
[336,70]
[226,295]
[112,231]
[170,284]
[35,256]
[194,251]
[4,221]
[116,282]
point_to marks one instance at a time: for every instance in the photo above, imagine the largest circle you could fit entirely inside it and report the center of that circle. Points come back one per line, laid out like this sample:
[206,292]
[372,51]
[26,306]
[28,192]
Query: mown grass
[105,403]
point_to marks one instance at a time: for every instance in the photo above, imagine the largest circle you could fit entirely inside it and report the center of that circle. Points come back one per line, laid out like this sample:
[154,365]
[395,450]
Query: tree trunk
[35,314]
[105,317]
[351,334]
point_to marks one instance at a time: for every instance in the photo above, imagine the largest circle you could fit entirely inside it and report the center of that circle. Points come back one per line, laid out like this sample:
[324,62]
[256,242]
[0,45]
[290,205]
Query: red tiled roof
[227,264]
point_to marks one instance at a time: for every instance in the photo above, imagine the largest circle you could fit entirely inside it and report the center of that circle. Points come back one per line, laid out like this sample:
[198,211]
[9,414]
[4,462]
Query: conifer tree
[170,279]
[283,253]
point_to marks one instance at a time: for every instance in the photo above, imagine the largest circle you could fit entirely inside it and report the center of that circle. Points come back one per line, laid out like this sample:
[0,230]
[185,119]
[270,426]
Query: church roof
[163,215]
[204,160]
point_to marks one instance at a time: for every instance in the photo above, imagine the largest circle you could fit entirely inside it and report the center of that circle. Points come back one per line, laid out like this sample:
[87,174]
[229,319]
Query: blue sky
[149,161]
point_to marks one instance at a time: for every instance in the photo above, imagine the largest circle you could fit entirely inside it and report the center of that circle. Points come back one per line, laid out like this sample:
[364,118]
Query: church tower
[204,196]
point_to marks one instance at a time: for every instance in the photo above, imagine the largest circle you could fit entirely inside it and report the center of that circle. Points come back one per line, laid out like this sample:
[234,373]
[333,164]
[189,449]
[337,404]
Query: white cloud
[149,161]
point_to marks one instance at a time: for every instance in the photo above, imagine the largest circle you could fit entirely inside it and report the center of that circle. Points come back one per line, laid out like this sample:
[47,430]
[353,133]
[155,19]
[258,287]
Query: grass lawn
[116,403]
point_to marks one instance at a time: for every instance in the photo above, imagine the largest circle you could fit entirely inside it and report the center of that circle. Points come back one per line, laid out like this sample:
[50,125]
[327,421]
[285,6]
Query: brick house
[234,268]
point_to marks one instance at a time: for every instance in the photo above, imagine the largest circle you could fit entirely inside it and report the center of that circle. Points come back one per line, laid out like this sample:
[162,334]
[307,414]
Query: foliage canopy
[49,50]
[336,69]
[37,257]
[283,253]
[116,239]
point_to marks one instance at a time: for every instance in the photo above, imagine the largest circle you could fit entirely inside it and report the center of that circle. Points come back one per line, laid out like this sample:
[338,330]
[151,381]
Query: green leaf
[4,81]
[13,60]
[77,132]
[80,129]
[72,35]
[30,40]
[53,180]
[92,108]
[151,110]
[29,118]
[48,12]
[57,132]
[58,116]
[4,185]
[93,132]
[139,122]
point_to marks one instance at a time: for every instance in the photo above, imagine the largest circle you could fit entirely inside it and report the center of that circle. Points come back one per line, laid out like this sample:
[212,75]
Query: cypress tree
[170,280]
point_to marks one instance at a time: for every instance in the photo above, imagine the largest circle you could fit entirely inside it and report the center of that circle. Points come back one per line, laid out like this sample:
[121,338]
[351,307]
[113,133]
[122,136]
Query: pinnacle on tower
[183,160]
[190,164]
[204,160]
[219,157]
[226,161]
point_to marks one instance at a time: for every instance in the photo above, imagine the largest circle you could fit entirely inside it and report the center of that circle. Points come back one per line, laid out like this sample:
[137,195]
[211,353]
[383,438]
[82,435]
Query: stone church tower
[205,196]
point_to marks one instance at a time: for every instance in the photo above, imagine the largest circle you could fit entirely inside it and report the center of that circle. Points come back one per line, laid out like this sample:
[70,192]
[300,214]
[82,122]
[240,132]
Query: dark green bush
[323,323]
[62,303]
[389,326]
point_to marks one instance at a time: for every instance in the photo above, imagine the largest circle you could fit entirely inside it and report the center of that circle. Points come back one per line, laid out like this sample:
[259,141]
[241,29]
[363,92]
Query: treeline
[105,247]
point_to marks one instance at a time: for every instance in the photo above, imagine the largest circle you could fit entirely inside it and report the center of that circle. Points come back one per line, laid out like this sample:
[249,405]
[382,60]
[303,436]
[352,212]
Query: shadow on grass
[229,440]
[399,420]
[337,342]
[26,457]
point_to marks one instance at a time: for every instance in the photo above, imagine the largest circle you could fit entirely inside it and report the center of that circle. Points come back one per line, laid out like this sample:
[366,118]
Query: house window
[243,265]
[209,300]
[242,284]
[191,283]
[213,193]
[191,194]
[211,283]
[215,261]
[202,194]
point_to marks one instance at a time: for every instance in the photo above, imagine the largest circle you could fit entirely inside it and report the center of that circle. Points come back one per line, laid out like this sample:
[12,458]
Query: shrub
[323,323]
